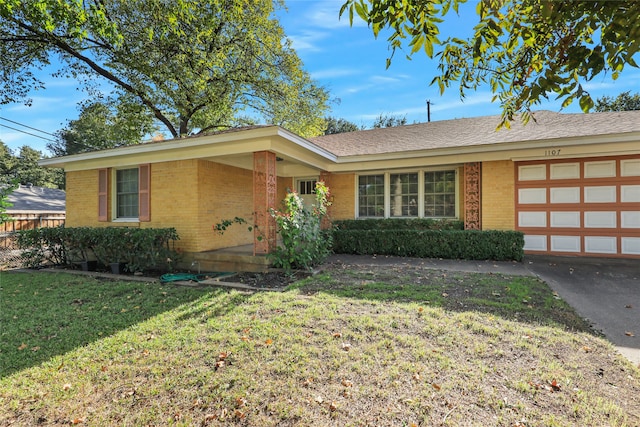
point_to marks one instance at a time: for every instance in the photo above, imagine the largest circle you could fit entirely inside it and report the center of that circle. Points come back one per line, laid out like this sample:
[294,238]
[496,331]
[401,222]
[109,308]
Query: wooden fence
[27,221]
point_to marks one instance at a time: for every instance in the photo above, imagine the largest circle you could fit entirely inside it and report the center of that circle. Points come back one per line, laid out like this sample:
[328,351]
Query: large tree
[195,66]
[623,102]
[23,168]
[524,50]
[101,126]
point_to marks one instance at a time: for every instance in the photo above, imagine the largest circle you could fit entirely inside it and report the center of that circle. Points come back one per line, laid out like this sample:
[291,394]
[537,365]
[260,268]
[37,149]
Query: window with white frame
[306,187]
[440,194]
[424,194]
[371,196]
[404,194]
[126,197]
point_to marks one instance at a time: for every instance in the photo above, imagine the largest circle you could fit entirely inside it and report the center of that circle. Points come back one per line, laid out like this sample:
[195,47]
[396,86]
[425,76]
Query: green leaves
[192,66]
[523,50]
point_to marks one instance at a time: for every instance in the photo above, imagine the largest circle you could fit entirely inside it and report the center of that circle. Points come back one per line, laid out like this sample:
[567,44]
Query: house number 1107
[551,153]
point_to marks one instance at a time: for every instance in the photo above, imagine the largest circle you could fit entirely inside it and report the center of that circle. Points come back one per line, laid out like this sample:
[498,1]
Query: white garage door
[580,206]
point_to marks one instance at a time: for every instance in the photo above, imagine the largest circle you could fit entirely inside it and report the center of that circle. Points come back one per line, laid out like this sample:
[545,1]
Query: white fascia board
[238,142]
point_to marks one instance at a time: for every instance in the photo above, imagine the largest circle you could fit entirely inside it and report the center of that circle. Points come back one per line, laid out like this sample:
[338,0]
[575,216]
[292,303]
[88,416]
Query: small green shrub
[448,244]
[304,243]
[140,248]
[399,224]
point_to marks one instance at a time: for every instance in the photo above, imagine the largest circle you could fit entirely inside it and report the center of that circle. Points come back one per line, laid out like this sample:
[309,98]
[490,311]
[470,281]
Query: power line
[29,127]
[28,133]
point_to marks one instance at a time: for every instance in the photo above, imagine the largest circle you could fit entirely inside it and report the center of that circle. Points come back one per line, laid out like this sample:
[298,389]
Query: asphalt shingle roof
[477,131]
[29,198]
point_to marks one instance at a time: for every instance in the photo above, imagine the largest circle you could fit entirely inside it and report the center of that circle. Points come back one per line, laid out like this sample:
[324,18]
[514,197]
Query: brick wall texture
[498,187]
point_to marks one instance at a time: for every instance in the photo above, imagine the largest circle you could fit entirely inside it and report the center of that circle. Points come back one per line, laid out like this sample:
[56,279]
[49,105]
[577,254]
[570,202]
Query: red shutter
[144,192]
[103,194]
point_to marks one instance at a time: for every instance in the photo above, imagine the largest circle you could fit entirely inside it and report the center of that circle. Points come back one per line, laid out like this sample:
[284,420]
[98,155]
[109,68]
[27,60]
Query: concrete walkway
[604,291]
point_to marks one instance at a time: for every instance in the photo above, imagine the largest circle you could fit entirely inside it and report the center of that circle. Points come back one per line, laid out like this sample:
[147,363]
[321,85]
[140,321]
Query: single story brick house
[570,182]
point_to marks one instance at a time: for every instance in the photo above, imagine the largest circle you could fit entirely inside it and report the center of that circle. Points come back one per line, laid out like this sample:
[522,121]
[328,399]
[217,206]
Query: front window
[371,196]
[416,194]
[127,193]
[440,194]
[404,194]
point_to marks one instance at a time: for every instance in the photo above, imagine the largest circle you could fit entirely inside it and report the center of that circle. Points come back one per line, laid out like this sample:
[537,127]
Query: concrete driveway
[604,291]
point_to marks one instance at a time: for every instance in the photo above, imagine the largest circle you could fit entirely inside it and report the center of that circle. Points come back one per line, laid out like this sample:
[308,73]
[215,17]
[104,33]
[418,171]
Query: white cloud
[330,73]
[326,15]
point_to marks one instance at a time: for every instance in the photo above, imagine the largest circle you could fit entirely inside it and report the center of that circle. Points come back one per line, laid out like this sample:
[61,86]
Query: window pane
[371,196]
[440,194]
[127,193]
[404,195]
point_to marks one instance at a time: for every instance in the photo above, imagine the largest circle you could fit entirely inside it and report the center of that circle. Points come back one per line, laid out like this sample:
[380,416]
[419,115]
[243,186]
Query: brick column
[472,196]
[264,198]
[326,178]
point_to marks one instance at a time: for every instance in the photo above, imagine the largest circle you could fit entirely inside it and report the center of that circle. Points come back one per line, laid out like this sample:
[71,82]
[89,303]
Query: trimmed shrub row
[448,244]
[139,248]
[399,224]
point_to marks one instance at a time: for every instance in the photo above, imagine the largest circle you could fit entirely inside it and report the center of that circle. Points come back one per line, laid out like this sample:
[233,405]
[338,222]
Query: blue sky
[346,60]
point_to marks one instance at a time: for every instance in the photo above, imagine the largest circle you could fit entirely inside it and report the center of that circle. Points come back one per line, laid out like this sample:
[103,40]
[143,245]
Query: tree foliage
[339,125]
[388,121]
[623,102]
[102,125]
[23,168]
[194,66]
[524,50]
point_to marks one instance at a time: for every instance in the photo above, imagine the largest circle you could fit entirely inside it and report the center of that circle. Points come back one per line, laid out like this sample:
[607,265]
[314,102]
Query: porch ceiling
[285,166]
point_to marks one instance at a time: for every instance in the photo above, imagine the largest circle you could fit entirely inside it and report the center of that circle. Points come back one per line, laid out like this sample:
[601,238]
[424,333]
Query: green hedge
[399,224]
[140,248]
[448,244]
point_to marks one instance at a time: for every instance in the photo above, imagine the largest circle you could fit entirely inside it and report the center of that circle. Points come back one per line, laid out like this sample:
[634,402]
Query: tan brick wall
[174,200]
[225,192]
[82,199]
[342,188]
[498,186]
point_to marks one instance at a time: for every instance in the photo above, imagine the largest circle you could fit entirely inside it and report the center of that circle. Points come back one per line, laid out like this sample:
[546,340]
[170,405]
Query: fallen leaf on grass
[66,387]
[436,386]
[34,349]
[319,400]
[337,335]
[333,407]
[239,414]
[586,349]
[78,421]
[629,334]
[554,385]
[346,346]
[22,346]
[347,383]
[416,376]
[240,401]
[268,341]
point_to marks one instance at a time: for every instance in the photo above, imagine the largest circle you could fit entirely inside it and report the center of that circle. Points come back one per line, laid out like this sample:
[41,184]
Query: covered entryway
[585,206]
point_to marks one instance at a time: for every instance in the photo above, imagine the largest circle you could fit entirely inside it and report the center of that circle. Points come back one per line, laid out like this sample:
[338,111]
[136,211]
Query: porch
[232,259]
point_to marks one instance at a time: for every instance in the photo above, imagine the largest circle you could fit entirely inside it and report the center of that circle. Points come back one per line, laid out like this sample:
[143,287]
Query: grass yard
[354,346]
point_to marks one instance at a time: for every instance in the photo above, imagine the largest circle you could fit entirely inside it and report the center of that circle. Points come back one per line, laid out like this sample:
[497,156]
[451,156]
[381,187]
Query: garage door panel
[600,219]
[534,242]
[565,243]
[580,206]
[631,245]
[630,219]
[601,244]
[600,194]
[630,167]
[601,169]
[630,193]
[565,219]
[565,195]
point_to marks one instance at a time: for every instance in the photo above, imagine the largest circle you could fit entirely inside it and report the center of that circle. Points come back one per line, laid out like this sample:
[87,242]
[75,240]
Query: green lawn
[353,346]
